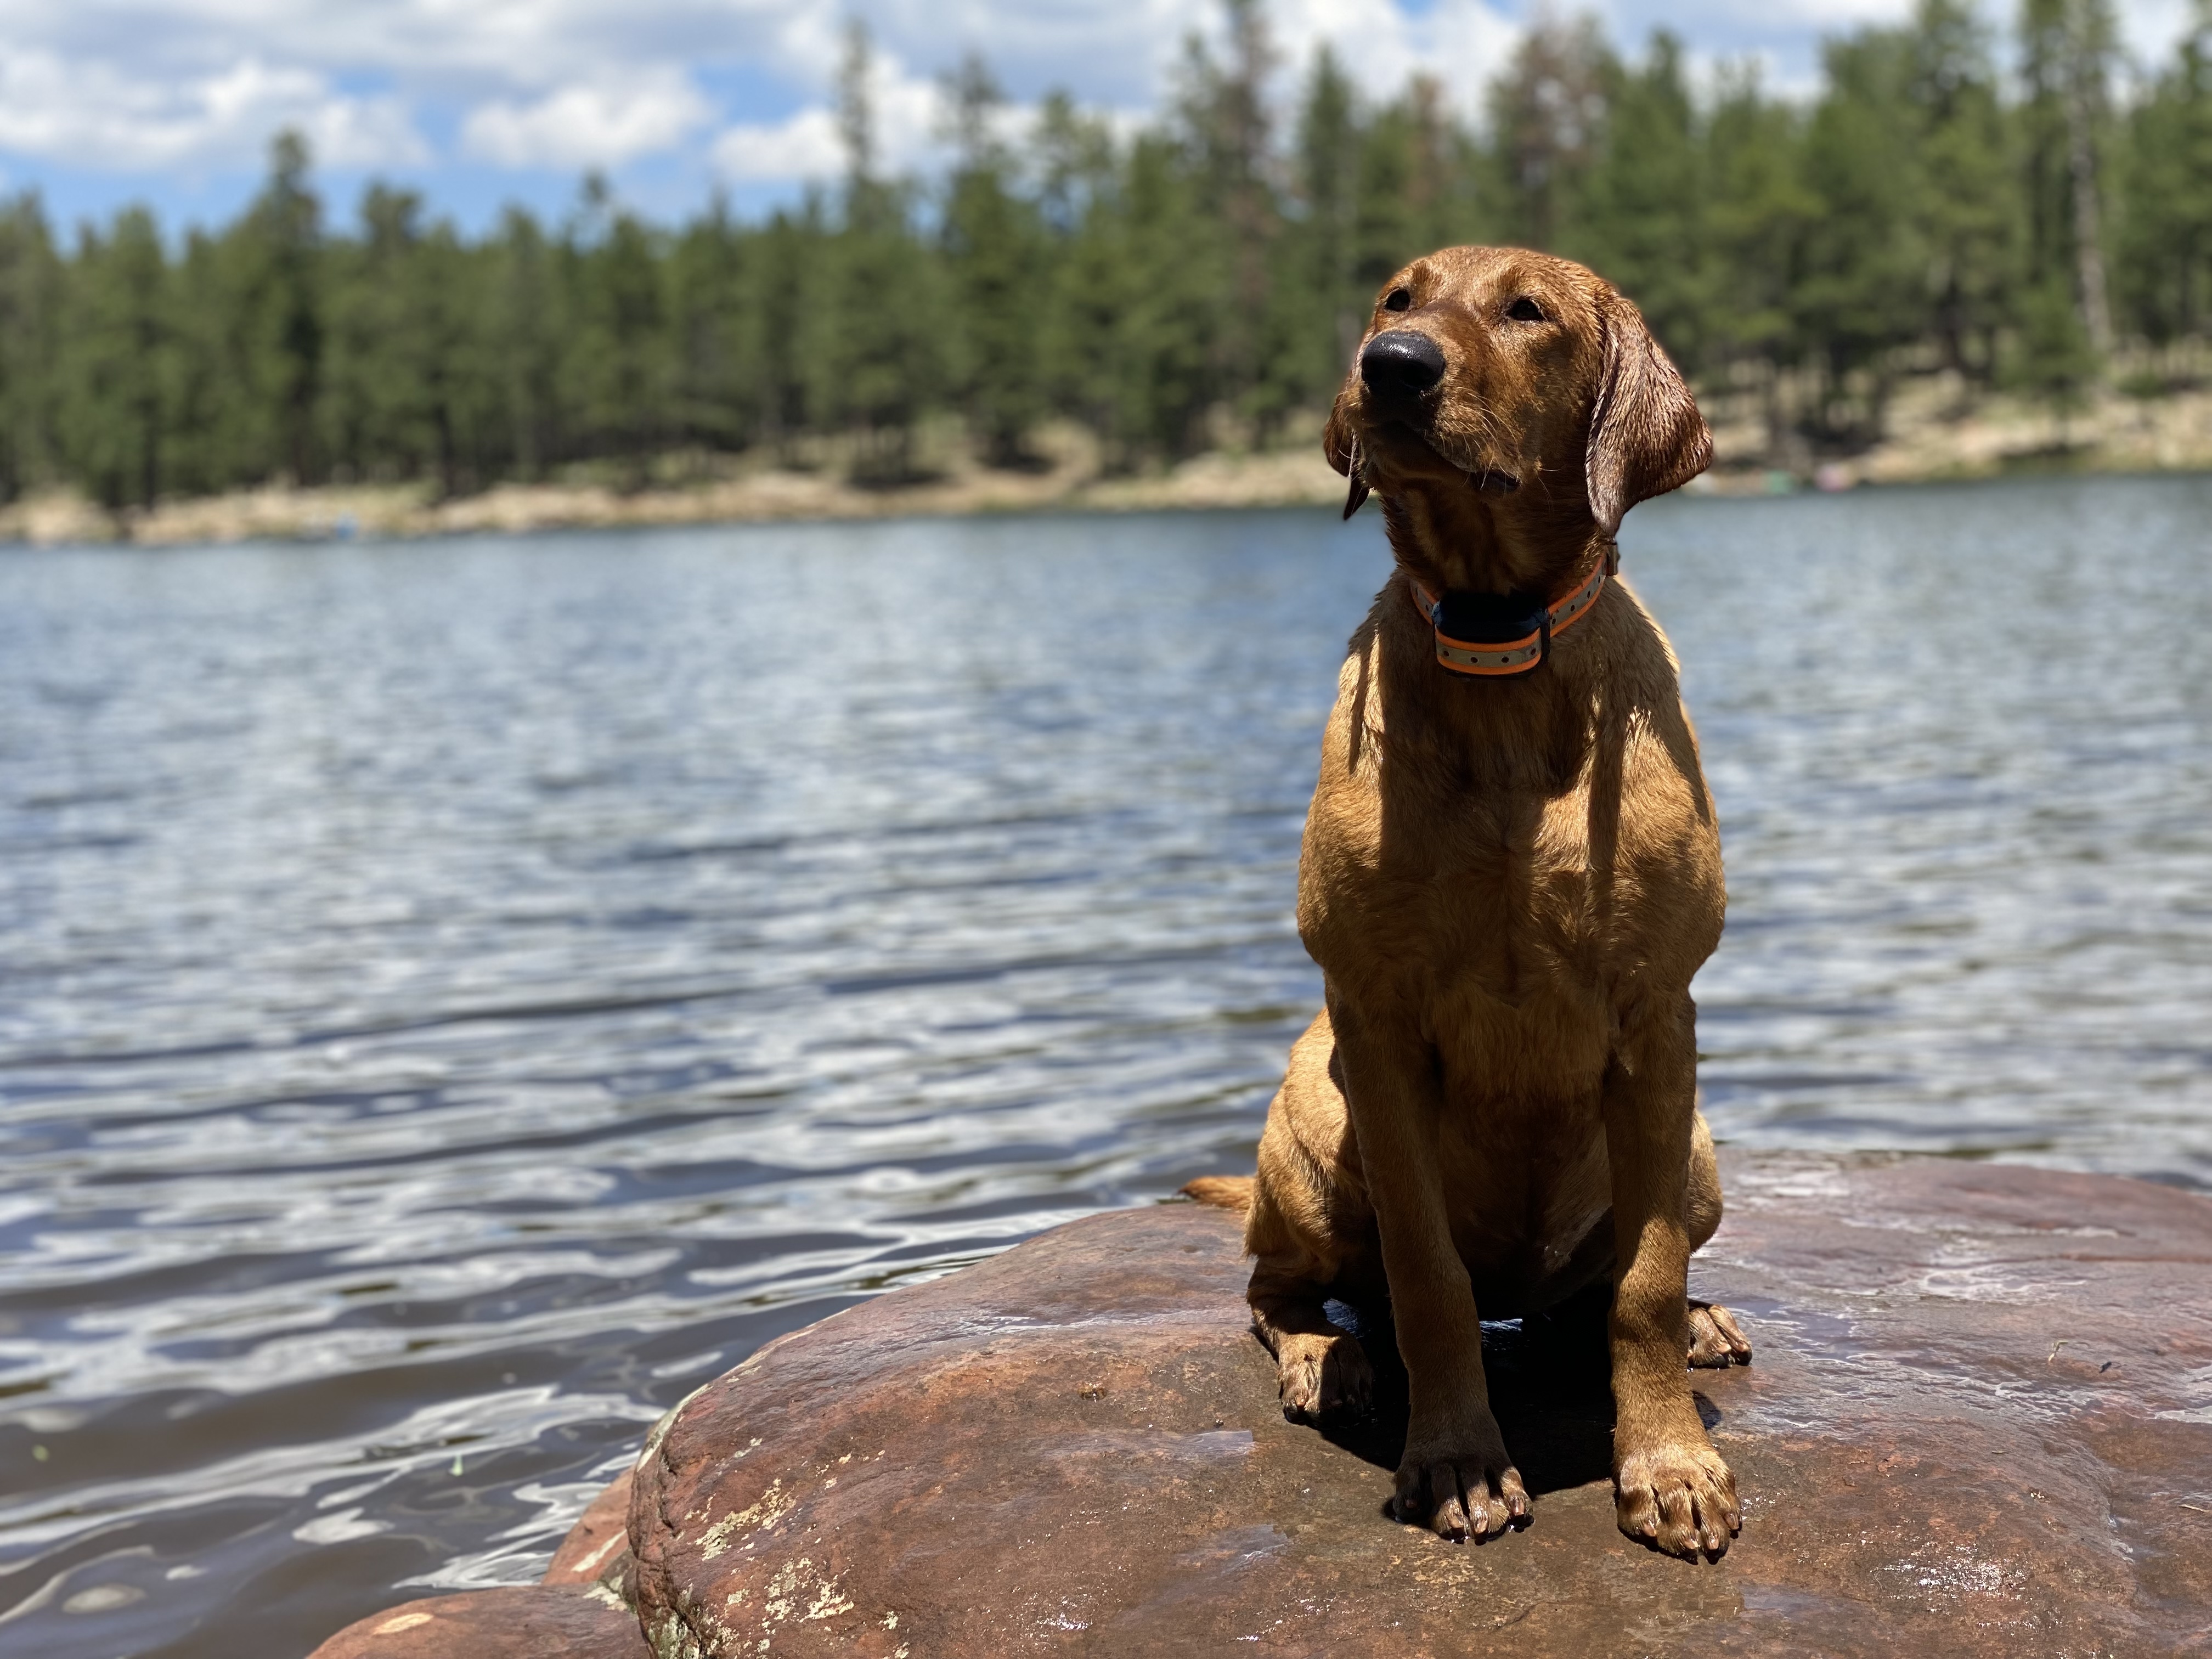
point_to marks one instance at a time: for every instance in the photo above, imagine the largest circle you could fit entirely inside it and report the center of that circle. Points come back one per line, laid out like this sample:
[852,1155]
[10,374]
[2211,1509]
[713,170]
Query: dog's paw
[1476,1496]
[1320,1376]
[1715,1339]
[1679,1498]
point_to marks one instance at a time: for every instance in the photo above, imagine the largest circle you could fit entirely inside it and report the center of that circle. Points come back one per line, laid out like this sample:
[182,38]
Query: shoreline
[1930,441]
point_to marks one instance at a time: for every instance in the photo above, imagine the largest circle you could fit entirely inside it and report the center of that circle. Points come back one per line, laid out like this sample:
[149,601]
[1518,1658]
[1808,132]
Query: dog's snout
[1401,362]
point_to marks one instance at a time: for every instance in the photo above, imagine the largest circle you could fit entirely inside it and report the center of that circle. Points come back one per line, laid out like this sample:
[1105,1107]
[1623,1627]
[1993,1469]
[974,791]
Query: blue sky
[481,102]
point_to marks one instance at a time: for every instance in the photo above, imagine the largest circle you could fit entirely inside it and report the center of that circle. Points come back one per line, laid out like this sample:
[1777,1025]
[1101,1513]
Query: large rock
[1980,1421]
[1980,1406]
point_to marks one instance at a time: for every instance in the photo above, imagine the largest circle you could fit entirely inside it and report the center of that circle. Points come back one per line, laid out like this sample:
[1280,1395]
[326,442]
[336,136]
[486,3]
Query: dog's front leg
[1454,1476]
[1670,1487]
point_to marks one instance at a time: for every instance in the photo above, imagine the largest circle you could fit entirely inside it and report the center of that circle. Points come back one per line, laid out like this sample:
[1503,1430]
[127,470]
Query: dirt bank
[1931,435]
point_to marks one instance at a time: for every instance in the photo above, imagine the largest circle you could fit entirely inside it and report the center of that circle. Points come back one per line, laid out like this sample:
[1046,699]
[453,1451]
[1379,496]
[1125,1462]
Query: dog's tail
[1222,1192]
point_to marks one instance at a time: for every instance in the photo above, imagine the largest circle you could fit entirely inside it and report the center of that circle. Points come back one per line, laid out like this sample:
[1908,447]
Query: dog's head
[1521,386]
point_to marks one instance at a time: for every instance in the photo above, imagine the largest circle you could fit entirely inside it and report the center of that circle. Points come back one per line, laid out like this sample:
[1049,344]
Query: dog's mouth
[1404,448]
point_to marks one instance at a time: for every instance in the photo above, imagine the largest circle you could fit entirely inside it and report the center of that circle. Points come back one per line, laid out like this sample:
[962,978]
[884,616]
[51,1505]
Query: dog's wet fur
[1509,883]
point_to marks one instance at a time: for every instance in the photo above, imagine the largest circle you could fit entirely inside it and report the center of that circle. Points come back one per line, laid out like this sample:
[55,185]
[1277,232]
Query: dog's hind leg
[1715,1340]
[1321,1370]
[1309,1228]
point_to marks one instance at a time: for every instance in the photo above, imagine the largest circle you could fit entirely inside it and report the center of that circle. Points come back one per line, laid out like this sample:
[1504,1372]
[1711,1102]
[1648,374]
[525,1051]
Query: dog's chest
[1531,893]
[1506,899]
[1513,919]
[1499,897]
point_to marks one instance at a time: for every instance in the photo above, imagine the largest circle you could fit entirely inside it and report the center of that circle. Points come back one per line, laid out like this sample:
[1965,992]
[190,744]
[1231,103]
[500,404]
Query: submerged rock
[531,1622]
[597,1549]
[1980,1421]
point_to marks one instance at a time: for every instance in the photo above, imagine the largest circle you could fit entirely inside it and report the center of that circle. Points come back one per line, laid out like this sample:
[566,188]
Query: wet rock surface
[532,1622]
[597,1549]
[582,1609]
[1980,1421]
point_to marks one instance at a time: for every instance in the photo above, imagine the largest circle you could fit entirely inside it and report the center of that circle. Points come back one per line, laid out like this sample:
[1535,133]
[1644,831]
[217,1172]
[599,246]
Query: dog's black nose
[1401,364]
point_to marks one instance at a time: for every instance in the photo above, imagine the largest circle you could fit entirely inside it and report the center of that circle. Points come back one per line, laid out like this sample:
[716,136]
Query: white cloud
[1462,42]
[512,46]
[98,113]
[155,85]
[1730,27]
[588,125]
[909,111]
[806,146]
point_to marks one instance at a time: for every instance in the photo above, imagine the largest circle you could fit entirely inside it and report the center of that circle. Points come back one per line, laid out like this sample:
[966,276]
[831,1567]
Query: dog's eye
[1525,310]
[1399,299]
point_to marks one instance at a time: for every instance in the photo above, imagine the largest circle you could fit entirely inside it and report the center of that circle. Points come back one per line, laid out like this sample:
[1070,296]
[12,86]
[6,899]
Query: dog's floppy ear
[1646,436]
[1343,452]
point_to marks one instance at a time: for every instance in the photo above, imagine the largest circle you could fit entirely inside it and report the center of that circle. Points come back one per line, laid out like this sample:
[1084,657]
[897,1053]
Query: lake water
[455,999]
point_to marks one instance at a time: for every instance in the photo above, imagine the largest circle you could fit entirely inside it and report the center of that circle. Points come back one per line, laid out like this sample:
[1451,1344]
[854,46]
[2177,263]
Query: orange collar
[1498,634]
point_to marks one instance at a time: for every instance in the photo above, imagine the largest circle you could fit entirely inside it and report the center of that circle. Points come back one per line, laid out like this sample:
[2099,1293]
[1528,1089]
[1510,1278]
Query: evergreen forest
[2017,204]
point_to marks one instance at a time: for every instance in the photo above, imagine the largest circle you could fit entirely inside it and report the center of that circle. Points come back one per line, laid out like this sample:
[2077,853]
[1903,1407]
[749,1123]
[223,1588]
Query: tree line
[2015,219]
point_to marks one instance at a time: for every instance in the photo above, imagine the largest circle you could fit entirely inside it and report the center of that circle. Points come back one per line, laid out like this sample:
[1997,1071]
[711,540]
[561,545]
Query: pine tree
[2067,49]
[1326,261]
[1643,221]
[1970,218]
[1863,289]
[278,250]
[528,314]
[386,353]
[714,283]
[1082,201]
[2167,235]
[115,361]
[881,366]
[1168,336]
[1226,128]
[1421,184]
[995,257]
[795,251]
[617,379]
[32,285]
[1547,115]
[1758,217]
[220,438]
